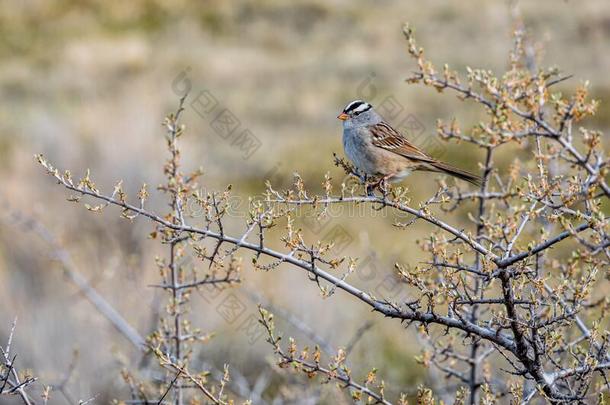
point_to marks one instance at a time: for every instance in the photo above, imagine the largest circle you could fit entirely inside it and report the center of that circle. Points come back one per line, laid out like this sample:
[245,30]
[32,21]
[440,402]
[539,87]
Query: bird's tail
[440,167]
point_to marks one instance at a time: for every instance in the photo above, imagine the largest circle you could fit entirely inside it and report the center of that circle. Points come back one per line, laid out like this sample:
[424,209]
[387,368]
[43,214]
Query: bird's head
[357,113]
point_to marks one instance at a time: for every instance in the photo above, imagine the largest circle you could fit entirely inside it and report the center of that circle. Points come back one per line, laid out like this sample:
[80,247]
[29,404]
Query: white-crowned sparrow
[377,149]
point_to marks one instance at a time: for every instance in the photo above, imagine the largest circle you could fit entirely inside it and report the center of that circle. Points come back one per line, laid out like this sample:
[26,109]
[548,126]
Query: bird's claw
[382,184]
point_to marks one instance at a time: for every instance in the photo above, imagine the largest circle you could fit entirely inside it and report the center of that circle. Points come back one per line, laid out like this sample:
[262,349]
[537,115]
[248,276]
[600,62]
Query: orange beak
[343,116]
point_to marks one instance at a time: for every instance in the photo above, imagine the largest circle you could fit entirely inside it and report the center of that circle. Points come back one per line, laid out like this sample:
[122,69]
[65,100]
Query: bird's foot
[369,187]
[383,185]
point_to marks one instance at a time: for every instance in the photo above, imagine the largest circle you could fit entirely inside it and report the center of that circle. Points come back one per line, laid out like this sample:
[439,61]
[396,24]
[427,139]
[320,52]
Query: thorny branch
[10,381]
[309,363]
[510,279]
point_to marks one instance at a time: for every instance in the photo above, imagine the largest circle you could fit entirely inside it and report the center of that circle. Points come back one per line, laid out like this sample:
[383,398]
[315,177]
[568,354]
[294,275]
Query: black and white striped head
[354,109]
[358,113]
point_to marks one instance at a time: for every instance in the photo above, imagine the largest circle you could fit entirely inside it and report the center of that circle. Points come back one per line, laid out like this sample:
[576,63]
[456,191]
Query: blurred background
[88,83]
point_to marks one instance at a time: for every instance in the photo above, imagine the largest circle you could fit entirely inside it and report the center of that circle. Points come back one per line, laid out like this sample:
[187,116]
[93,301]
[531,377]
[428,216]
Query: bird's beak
[342,116]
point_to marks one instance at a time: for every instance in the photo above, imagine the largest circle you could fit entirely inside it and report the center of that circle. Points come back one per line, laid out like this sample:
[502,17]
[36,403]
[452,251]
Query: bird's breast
[360,151]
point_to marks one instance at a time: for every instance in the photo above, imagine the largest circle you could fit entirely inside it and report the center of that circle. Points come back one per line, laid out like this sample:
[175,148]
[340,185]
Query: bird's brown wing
[386,137]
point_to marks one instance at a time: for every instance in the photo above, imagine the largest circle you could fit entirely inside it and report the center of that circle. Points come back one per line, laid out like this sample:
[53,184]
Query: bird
[378,150]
